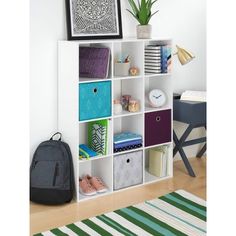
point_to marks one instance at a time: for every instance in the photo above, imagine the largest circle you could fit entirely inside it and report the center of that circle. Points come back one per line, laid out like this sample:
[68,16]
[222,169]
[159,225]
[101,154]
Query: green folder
[97,136]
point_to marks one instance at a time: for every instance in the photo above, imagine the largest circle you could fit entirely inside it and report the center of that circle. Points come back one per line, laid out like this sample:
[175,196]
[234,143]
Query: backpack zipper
[56,173]
[35,163]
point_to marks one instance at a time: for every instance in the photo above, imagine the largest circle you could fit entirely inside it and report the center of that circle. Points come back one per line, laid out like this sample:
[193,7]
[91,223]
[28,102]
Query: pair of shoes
[91,185]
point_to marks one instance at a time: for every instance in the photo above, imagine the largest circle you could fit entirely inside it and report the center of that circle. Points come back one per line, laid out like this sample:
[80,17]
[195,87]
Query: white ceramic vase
[144,31]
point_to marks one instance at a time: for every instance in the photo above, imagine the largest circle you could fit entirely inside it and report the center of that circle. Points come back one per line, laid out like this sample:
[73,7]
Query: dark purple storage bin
[157,127]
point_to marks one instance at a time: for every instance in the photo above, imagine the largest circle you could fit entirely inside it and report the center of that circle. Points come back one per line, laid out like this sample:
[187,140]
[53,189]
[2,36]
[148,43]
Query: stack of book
[157,59]
[126,141]
[152,57]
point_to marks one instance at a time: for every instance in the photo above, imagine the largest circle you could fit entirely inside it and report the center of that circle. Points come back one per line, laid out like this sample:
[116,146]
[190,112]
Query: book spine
[169,59]
[164,59]
[152,62]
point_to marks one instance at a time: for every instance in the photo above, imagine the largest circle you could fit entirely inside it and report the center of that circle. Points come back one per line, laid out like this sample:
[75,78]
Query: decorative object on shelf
[184,56]
[158,161]
[125,102]
[94,62]
[126,141]
[98,136]
[97,19]
[117,107]
[134,106]
[122,66]
[158,59]
[157,98]
[134,71]
[142,12]
[122,69]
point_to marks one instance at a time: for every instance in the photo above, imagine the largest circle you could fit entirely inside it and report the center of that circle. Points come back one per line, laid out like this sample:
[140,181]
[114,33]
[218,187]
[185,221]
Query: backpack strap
[57,133]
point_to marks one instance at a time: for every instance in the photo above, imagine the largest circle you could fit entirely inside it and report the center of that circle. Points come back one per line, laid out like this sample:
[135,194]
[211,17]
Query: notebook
[94,62]
[196,96]
[98,136]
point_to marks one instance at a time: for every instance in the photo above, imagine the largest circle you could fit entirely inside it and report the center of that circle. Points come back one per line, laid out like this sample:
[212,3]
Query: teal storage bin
[94,100]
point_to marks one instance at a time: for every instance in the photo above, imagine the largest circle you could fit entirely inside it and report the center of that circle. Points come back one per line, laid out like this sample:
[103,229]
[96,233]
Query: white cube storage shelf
[75,131]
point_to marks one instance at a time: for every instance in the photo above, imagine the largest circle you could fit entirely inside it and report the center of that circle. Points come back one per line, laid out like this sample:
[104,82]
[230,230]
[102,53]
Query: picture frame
[93,19]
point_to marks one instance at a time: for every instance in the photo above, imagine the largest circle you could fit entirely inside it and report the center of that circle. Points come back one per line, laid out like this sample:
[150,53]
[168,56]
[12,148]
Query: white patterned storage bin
[128,170]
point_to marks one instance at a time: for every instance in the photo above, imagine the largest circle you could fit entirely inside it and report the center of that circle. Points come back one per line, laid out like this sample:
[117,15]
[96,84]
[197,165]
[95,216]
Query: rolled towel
[86,152]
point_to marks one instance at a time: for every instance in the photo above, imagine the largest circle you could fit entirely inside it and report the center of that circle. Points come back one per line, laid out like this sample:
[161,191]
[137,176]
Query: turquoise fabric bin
[94,100]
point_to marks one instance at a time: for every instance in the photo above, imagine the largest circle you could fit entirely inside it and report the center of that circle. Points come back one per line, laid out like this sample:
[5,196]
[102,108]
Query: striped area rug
[177,213]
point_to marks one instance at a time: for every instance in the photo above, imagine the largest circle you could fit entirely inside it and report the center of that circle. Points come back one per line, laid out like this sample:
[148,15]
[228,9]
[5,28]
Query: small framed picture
[93,19]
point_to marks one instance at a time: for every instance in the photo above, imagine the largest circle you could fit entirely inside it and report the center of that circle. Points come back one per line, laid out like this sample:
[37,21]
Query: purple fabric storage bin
[157,127]
[94,62]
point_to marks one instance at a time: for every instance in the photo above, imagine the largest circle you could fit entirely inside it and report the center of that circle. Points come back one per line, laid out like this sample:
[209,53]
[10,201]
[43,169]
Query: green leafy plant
[142,11]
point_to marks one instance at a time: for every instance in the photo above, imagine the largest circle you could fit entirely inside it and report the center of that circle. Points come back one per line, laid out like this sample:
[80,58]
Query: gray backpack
[51,173]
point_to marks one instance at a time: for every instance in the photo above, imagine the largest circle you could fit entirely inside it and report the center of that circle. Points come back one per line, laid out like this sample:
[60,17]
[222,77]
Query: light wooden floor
[47,217]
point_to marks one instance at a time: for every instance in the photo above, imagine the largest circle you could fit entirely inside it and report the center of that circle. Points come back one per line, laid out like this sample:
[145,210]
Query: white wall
[182,20]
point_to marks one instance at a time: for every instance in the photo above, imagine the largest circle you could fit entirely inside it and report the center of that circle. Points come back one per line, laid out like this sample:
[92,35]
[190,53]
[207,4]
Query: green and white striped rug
[178,213]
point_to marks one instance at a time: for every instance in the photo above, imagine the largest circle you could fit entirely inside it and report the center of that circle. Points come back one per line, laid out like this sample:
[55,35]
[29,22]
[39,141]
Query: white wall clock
[157,98]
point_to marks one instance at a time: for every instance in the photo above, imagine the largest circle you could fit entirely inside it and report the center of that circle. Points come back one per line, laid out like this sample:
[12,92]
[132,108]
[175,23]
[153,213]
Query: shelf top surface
[115,40]
[116,78]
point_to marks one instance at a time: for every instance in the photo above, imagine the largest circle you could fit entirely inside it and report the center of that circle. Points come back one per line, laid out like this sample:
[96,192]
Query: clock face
[157,98]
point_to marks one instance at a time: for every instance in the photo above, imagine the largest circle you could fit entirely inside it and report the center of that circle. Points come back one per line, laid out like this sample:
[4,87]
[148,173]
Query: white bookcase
[75,131]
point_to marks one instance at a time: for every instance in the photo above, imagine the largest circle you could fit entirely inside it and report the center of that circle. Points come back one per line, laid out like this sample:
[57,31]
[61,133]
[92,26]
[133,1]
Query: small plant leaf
[153,2]
[141,10]
[152,15]
[139,4]
[136,17]
[133,6]
[143,14]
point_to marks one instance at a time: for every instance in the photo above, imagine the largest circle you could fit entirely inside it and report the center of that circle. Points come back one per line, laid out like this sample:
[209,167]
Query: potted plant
[142,12]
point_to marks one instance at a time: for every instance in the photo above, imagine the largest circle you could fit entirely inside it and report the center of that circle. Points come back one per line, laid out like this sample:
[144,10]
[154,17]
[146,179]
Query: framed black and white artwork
[93,19]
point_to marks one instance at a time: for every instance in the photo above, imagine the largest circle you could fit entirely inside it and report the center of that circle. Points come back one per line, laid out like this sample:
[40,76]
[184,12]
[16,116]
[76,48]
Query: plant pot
[144,31]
